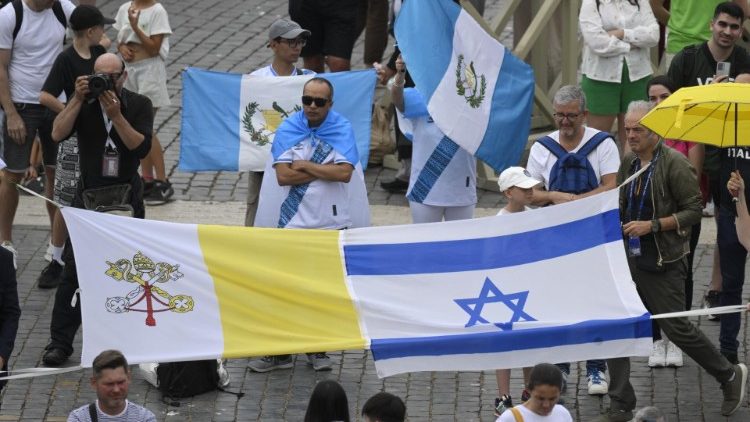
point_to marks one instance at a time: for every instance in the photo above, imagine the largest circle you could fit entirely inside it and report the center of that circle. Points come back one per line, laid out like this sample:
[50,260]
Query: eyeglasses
[319,102]
[294,42]
[569,116]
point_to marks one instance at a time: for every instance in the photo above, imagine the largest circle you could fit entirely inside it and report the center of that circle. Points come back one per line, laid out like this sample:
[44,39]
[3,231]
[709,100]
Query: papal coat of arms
[468,85]
[272,119]
[145,274]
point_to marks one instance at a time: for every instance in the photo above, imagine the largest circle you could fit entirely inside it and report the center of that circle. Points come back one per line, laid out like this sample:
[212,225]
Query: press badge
[634,246]
[110,162]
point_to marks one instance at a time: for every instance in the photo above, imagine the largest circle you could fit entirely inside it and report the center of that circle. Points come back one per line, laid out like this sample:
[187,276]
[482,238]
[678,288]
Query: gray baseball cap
[285,28]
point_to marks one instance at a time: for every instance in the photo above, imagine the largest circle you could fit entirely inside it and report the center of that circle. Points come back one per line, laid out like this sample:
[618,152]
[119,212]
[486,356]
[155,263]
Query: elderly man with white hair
[657,210]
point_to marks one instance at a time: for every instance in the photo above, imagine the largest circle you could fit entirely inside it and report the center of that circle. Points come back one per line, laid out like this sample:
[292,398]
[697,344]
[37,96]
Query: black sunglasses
[319,102]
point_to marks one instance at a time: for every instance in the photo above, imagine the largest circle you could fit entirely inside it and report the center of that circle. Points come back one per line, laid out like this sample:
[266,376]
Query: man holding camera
[114,129]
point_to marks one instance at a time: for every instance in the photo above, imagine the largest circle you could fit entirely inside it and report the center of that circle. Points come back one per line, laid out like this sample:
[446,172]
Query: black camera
[98,83]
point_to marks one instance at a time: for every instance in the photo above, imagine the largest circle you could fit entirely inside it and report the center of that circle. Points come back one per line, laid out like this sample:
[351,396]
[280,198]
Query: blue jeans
[732,261]
[591,366]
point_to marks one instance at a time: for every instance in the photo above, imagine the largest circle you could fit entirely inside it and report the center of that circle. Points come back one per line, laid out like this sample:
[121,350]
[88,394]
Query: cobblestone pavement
[230,35]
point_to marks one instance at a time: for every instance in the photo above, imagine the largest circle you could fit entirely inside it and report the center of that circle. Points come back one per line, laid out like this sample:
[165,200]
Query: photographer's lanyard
[634,242]
[111,157]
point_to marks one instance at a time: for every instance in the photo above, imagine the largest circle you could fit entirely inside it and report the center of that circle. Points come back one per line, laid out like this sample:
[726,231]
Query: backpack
[56,9]
[572,172]
[177,380]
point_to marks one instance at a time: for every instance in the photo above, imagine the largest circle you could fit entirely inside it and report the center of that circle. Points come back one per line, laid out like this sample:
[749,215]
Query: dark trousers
[66,319]
[665,292]
[732,256]
[694,235]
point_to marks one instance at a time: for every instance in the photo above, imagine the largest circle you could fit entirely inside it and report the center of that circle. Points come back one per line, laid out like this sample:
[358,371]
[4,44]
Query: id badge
[111,164]
[634,246]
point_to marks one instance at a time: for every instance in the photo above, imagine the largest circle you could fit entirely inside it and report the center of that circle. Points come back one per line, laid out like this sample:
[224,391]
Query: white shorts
[149,77]
[421,213]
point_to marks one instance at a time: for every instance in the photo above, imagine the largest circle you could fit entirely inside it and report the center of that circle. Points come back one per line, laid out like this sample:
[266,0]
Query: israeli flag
[478,93]
[229,119]
[551,284]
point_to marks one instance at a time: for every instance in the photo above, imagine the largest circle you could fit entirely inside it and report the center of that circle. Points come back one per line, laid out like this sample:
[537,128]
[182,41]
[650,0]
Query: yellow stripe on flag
[280,290]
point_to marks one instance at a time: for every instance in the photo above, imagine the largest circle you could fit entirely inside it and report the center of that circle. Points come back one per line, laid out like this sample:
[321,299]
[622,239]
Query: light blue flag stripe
[510,116]
[210,115]
[592,331]
[210,136]
[485,253]
[427,34]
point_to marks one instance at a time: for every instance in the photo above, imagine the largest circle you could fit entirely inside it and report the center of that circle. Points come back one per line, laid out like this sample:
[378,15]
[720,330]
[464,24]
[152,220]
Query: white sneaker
[224,379]
[658,358]
[597,383]
[48,253]
[673,355]
[9,246]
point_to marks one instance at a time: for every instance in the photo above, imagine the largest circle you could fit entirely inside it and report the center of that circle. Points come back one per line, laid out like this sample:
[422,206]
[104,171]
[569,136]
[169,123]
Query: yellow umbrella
[708,114]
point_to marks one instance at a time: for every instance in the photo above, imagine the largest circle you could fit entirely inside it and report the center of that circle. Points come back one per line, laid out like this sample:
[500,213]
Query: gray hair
[650,414]
[640,106]
[568,94]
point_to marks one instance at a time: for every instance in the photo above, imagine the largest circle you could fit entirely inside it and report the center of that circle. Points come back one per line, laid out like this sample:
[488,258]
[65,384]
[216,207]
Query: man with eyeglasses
[657,210]
[314,157]
[286,38]
[603,159]
[114,133]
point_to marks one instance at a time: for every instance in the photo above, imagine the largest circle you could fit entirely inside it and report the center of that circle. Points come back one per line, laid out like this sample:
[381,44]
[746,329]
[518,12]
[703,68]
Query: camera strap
[111,157]
[108,126]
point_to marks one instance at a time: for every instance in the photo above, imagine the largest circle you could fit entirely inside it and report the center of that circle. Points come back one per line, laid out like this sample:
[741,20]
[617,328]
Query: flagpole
[701,312]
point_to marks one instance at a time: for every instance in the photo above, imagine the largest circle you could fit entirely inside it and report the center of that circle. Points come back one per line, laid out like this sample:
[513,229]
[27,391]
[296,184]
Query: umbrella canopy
[708,114]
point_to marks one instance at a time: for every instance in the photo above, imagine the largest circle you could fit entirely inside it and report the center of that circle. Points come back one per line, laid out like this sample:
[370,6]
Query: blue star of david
[491,294]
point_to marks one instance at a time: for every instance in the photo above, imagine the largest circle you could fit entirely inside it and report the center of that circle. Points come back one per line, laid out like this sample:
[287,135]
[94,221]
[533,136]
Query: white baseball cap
[516,176]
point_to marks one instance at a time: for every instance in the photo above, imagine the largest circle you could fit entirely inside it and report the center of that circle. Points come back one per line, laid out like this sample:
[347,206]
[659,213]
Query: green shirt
[689,23]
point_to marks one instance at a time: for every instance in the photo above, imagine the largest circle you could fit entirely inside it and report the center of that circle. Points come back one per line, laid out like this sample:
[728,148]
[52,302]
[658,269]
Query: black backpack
[179,380]
[56,9]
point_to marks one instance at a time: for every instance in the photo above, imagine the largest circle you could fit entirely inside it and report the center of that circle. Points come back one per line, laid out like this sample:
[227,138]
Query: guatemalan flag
[229,119]
[478,93]
[551,284]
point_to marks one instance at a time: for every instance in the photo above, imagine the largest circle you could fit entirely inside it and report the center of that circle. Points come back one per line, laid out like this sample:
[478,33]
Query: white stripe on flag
[485,55]
[269,95]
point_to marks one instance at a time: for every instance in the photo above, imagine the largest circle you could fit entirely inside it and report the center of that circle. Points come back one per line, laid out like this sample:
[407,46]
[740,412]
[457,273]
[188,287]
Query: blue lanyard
[645,189]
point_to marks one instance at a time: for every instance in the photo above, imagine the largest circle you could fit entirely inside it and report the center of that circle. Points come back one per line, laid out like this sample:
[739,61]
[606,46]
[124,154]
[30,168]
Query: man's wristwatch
[655,225]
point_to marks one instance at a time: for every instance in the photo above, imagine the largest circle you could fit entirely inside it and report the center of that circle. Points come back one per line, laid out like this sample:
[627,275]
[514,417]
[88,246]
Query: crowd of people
[93,113]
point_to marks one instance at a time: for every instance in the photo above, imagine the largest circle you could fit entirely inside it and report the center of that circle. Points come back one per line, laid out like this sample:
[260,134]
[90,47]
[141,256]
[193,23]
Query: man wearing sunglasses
[286,39]
[314,155]
[114,133]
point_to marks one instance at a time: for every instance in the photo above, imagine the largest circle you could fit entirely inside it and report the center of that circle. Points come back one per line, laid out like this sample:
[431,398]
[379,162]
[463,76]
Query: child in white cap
[516,184]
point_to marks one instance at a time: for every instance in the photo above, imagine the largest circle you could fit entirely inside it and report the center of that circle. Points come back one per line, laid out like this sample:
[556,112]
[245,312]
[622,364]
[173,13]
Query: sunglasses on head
[319,102]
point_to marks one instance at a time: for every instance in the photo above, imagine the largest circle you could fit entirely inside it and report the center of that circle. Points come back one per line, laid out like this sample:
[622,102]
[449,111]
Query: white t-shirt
[268,71]
[503,211]
[325,204]
[153,21]
[558,414]
[605,159]
[457,186]
[39,41]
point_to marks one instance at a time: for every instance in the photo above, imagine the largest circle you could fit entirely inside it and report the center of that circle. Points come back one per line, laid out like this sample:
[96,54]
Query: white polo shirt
[325,204]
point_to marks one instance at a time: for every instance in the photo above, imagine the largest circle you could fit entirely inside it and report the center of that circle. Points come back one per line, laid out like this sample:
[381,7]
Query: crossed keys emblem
[145,273]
